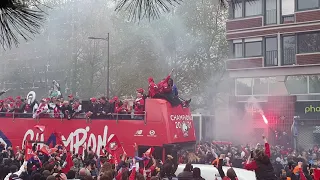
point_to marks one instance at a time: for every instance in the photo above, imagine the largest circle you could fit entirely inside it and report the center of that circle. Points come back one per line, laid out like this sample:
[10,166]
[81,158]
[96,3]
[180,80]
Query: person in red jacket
[139,106]
[153,88]
[165,92]
[261,163]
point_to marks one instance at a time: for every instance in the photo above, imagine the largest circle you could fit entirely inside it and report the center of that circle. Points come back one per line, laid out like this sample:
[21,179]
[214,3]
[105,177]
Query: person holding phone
[259,161]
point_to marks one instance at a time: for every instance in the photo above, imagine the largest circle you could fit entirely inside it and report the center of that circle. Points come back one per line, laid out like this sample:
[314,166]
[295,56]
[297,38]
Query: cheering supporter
[261,163]
[164,90]
[71,99]
[139,105]
[43,108]
[125,110]
[66,109]
[2,108]
[153,88]
[104,108]
[76,108]
[117,105]
[174,87]
[19,106]
[93,108]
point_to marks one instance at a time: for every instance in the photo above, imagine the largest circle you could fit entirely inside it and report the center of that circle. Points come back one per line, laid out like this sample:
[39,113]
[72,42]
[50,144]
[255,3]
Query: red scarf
[56,112]
[41,108]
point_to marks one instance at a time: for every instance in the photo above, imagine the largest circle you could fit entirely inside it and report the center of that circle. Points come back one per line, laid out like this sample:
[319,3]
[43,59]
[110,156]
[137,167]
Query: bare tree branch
[151,9]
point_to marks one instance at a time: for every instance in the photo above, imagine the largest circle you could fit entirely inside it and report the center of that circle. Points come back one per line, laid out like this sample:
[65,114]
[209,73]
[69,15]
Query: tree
[151,9]
[24,18]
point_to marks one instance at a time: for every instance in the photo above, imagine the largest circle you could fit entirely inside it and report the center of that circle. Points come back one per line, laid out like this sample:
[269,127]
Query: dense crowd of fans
[281,161]
[268,162]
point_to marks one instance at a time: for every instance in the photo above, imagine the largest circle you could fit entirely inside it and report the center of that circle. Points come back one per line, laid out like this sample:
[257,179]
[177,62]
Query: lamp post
[108,60]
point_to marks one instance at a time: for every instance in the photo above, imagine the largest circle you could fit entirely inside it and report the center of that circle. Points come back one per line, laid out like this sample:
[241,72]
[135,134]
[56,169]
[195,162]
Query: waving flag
[28,151]
[48,151]
[114,147]
[58,138]
[40,128]
[149,152]
[69,164]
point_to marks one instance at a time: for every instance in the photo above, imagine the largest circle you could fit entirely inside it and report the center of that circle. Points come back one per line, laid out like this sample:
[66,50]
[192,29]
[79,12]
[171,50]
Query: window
[271,52]
[244,86]
[273,85]
[253,8]
[297,84]
[260,86]
[271,12]
[246,9]
[307,4]
[289,50]
[238,50]
[314,84]
[309,42]
[238,9]
[253,47]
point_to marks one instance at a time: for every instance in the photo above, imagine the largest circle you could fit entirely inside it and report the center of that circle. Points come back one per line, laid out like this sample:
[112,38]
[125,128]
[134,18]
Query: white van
[209,172]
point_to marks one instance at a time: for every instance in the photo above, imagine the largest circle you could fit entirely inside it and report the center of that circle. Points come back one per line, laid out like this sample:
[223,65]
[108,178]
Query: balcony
[289,56]
[271,58]
[287,19]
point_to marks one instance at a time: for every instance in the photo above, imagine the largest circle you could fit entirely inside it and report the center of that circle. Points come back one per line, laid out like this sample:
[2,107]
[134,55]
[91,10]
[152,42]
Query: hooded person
[261,163]
[186,174]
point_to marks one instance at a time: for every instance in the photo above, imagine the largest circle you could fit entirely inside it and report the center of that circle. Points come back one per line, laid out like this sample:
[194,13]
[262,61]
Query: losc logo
[185,129]
[152,133]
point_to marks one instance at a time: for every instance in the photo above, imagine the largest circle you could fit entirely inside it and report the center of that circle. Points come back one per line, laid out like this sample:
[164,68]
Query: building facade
[275,62]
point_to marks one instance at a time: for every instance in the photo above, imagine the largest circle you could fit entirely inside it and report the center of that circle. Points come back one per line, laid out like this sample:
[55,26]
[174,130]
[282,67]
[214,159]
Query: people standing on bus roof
[93,108]
[104,107]
[153,88]
[174,87]
[139,105]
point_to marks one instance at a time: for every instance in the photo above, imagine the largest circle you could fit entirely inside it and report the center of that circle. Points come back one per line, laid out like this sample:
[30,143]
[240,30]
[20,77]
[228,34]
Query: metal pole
[108,66]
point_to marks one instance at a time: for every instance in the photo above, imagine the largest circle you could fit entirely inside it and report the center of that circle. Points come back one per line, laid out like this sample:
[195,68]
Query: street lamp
[108,60]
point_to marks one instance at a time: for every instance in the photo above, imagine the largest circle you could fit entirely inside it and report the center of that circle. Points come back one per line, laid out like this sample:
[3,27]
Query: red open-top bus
[162,127]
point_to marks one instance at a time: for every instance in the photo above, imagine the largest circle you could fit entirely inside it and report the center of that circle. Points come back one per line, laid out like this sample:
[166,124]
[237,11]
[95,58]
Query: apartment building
[275,62]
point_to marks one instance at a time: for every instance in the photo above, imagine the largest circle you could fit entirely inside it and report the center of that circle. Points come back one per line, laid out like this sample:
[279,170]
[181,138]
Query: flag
[40,128]
[146,156]
[69,164]
[114,147]
[149,152]
[58,138]
[48,151]
[28,151]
